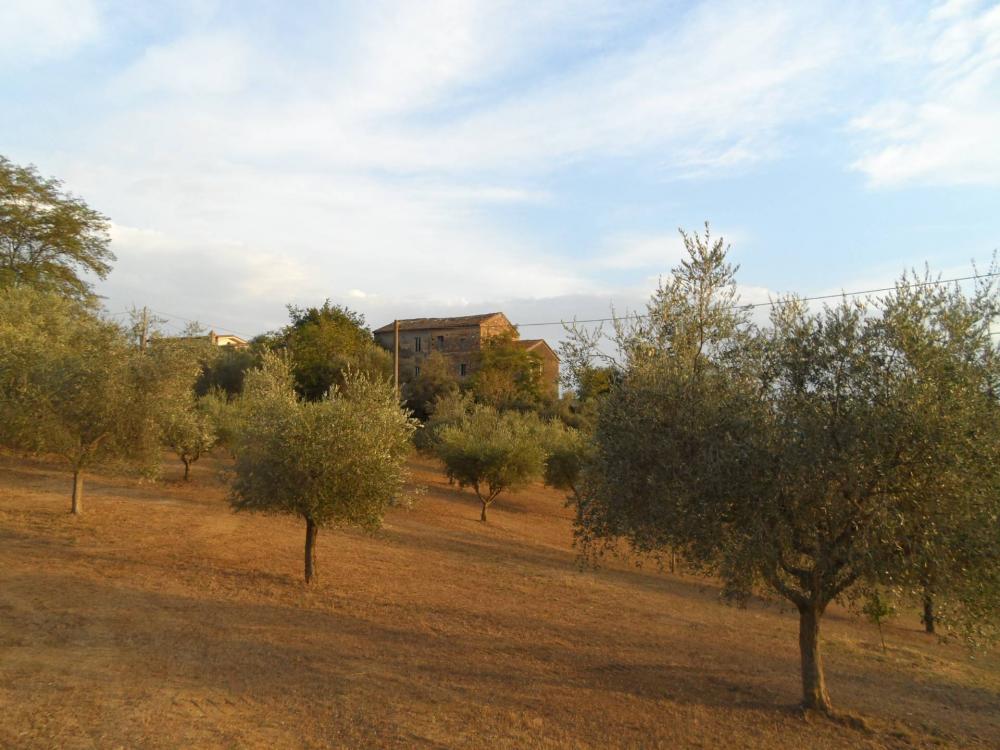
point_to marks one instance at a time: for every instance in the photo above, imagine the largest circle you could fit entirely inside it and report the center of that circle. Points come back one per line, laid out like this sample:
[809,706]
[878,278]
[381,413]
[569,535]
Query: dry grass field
[160,619]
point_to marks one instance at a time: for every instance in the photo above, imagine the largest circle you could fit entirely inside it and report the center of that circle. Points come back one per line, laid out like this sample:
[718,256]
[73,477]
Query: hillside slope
[160,619]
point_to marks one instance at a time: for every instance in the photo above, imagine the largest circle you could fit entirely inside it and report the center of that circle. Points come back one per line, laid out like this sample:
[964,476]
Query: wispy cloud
[400,155]
[34,31]
[943,131]
[215,63]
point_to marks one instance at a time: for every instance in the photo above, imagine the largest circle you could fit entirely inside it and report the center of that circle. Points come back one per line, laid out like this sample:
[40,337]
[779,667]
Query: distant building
[227,339]
[460,340]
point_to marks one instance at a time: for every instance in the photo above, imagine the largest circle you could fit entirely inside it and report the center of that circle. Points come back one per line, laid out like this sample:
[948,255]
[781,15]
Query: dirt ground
[160,619]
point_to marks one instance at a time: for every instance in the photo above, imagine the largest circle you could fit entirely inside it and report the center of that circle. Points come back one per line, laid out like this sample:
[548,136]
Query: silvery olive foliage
[339,461]
[74,386]
[829,449]
[493,452]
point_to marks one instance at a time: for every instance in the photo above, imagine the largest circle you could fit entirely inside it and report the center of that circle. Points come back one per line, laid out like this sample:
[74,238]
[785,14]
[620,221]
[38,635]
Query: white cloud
[265,172]
[705,94]
[33,31]
[945,131]
[640,251]
[215,63]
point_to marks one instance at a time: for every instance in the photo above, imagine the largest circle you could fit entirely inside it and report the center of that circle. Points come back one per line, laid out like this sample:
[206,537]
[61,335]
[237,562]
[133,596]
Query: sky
[453,157]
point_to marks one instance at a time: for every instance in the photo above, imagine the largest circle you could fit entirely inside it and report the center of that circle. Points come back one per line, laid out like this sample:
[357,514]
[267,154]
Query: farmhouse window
[416,344]
[461,369]
[416,372]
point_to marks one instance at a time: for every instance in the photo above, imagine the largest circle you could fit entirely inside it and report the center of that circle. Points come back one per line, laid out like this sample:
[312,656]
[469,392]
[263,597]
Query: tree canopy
[73,385]
[49,239]
[436,380]
[825,452]
[323,343]
[508,376]
[492,452]
[339,461]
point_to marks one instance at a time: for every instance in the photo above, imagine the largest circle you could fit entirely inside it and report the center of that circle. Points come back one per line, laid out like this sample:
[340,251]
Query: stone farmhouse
[460,340]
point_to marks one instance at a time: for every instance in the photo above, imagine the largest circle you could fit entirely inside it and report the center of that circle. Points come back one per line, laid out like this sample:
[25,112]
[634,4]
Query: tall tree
[49,238]
[508,376]
[323,343]
[804,458]
[73,386]
[225,369]
[437,379]
[339,461]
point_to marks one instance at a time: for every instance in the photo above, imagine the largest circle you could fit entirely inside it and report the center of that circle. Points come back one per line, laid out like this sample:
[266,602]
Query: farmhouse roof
[420,324]
[531,344]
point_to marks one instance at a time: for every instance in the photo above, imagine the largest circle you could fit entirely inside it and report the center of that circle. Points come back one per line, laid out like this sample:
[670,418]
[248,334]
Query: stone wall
[459,345]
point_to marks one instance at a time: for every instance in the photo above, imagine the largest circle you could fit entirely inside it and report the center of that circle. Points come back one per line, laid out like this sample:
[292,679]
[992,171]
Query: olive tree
[72,385]
[187,429]
[185,421]
[808,457]
[492,452]
[445,410]
[568,450]
[339,461]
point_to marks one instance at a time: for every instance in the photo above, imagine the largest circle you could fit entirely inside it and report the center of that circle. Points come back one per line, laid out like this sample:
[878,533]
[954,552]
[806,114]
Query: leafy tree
[941,339]
[225,369]
[324,343]
[223,415]
[568,450]
[447,409]
[73,386]
[187,429]
[339,461]
[508,376]
[877,608]
[493,452]
[807,457]
[49,238]
[436,380]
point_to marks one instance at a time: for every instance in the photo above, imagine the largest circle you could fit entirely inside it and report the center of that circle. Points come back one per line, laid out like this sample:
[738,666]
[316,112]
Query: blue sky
[450,157]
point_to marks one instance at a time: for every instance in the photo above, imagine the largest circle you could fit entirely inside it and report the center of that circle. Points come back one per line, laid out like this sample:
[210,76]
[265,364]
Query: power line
[224,329]
[748,306]
[772,303]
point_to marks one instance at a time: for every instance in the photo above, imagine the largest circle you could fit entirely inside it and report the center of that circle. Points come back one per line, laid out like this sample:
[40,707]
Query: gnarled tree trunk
[187,467]
[77,507]
[311,531]
[814,695]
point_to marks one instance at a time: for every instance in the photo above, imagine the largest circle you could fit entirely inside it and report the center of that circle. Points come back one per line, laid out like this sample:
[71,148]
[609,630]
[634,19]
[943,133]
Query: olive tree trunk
[486,500]
[928,616]
[311,530]
[814,694]
[77,507]
[187,468]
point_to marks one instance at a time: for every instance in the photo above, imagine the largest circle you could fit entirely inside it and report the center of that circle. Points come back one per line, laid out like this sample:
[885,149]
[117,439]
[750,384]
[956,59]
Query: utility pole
[145,328]
[395,328]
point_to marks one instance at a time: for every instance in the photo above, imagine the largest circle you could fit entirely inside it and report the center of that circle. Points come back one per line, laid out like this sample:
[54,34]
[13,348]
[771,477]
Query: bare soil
[161,619]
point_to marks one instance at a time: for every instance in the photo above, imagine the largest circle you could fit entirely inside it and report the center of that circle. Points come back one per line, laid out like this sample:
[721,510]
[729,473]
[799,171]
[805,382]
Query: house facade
[227,339]
[460,340]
